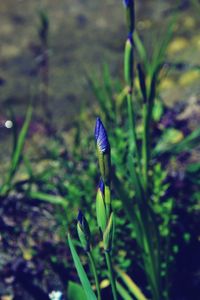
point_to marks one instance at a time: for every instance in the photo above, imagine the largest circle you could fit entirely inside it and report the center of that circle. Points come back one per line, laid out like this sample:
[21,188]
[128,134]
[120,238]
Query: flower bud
[83,231]
[130,15]
[128,62]
[101,207]
[103,151]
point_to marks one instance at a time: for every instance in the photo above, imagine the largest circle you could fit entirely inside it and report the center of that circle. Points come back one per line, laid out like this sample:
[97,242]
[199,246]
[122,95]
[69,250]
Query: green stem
[111,275]
[107,200]
[91,258]
[132,132]
[145,146]
[150,260]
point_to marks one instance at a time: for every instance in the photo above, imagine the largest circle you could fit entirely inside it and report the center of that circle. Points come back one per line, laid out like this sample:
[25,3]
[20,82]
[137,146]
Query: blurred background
[82,36]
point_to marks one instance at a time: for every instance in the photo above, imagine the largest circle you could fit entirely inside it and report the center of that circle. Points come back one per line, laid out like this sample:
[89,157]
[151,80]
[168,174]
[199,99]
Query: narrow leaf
[21,140]
[131,285]
[81,272]
[123,292]
[53,199]
[75,291]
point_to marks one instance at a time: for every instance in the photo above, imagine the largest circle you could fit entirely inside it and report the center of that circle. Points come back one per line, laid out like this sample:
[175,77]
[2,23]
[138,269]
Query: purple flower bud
[130,38]
[101,136]
[80,217]
[128,3]
[101,186]
[83,231]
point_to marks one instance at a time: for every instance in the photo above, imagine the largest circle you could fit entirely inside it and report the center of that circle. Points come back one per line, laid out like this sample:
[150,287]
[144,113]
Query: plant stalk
[111,275]
[145,147]
[94,270]
[132,132]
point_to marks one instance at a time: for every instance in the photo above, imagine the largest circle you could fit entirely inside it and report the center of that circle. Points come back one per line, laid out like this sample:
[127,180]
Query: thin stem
[145,146]
[91,258]
[111,275]
[132,132]
[107,200]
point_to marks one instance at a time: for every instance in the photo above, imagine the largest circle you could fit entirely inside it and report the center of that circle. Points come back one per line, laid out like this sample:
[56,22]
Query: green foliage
[18,147]
[82,275]
[75,291]
[131,285]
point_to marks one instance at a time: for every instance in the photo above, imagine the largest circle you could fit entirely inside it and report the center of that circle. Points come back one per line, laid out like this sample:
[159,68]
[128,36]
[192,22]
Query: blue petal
[101,136]
[130,38]
[127,3]
[101,186]
[80,217]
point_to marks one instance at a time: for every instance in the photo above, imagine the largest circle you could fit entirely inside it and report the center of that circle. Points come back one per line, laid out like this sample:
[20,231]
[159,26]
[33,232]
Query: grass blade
[140,48]
[123,292]
[131,285]
[81,272]
[75,291]
[21,140]
[17,153]
[53,199]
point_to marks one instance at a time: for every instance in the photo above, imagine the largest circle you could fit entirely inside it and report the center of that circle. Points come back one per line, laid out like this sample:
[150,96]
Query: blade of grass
[161,47]
[187,144]
[131,285]
[53,199]
[17,153]
[21,140]
[81,272]
[140,49]
[75,291]
[123,292]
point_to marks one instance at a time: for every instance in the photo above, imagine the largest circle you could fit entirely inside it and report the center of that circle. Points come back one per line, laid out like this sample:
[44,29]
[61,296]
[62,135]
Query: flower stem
[91,258]
[111,275]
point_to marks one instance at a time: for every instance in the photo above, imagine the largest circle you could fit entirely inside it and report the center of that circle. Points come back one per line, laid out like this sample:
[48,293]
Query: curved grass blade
[53,199]
[140,48]
[123,292]
[75,291]
[21,140]
[131,285]
[81,272]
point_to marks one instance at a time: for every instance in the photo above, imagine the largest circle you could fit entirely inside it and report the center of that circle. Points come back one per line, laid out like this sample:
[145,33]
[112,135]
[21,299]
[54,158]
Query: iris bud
[103,151]
[101,207]
[83,231]
[129,4]
[128,62]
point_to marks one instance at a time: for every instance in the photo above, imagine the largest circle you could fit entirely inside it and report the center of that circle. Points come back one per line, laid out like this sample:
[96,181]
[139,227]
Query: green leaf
[140,48]
[75,291]
[128,63]
[123,292]
[81,272]
[193,168]
[108,234]
[170,138]
[131,285]
[101,211]
[17,153]
[157,111]
[21,140]
[53,199]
